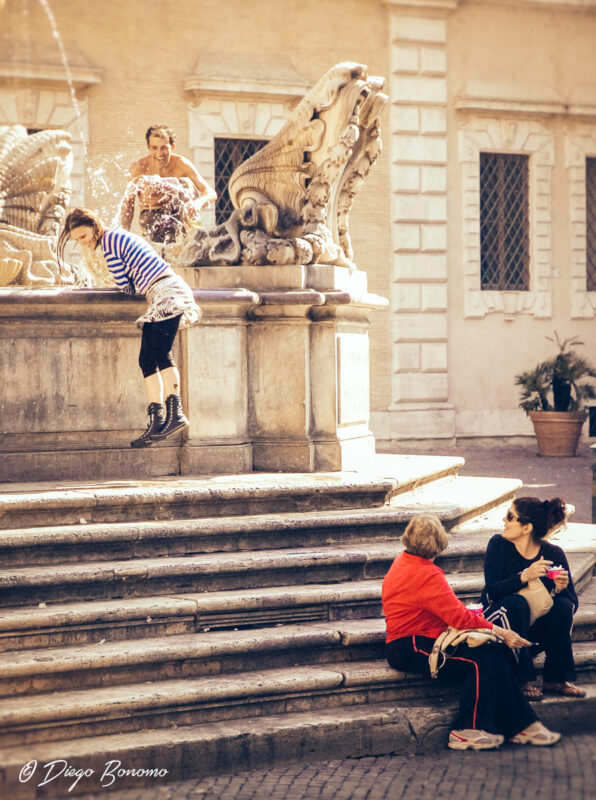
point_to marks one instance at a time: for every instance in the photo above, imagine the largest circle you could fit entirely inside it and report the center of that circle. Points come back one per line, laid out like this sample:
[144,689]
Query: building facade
[478,222]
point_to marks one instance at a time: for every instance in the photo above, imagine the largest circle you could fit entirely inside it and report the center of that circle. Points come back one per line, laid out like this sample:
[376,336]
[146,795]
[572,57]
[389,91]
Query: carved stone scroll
[34,192]
[292,199]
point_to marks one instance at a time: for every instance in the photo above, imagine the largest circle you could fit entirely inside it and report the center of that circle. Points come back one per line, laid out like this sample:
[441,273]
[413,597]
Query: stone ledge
[122,703]
[51,74]
[224,75]
[216,748]
[224,494]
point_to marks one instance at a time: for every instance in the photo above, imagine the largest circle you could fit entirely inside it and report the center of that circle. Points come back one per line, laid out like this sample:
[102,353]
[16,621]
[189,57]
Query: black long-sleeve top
[503,564]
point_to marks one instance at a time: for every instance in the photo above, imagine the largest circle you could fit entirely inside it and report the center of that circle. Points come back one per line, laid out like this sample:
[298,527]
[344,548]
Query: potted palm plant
[553,395]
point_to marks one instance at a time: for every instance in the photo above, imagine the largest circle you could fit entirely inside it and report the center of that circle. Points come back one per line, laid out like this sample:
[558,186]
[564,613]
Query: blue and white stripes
[131,260]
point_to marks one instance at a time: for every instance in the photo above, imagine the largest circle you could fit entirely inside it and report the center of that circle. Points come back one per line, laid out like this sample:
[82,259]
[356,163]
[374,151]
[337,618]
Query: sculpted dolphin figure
[292,199]
[34,192]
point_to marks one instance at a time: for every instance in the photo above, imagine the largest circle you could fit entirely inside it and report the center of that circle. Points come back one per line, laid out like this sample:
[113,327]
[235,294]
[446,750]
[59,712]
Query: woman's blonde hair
[425,536]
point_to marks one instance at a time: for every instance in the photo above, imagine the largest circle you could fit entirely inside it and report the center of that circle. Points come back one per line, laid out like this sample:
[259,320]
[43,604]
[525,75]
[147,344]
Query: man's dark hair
[161,130]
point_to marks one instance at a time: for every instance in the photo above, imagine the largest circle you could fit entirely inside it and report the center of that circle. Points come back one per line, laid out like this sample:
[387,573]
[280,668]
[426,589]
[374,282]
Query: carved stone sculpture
[34,192]
[292,199]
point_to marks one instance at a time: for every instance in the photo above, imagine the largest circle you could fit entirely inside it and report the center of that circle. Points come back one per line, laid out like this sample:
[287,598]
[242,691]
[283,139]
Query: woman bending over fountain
[137,267]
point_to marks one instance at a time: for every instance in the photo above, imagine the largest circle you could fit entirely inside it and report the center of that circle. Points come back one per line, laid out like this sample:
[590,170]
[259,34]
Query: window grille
[229,154]
[504,234]
[591,224]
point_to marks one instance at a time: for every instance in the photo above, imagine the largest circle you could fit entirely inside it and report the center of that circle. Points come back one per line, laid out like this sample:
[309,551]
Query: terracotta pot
[558,432]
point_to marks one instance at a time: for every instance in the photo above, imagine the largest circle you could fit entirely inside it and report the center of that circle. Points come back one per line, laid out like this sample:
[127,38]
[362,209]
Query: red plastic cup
[475,608]
[554,572]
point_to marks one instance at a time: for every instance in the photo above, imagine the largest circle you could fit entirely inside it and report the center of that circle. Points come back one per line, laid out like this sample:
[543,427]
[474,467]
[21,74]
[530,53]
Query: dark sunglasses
[510,517]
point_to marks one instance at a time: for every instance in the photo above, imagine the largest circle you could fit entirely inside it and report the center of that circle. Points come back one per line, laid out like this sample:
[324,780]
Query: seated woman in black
[517,556]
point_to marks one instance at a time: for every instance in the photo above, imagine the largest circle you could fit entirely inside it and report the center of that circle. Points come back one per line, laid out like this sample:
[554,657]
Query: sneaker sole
[160,437]
[536,744]
[471,746]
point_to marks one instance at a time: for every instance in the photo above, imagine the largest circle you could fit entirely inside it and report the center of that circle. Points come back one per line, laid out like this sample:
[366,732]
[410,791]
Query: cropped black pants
[157,340]
[491,698]
[551,633]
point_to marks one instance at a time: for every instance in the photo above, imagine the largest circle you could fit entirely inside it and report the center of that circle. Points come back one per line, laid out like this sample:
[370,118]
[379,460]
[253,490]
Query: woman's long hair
[77,218]
[544,515]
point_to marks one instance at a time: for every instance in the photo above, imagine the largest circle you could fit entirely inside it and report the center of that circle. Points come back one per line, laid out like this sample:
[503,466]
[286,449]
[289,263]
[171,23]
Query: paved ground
[569,478]
[564,772]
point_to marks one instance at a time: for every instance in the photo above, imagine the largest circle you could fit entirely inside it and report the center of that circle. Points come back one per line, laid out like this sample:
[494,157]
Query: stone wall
[273,379]
[514,76]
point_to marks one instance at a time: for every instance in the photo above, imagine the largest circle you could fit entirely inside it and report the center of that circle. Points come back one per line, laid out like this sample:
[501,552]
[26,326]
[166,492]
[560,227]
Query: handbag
[446,643]
[538,598]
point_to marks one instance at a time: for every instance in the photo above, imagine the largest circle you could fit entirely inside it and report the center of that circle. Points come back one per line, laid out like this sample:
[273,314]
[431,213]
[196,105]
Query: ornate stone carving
[34,192]
[292,199]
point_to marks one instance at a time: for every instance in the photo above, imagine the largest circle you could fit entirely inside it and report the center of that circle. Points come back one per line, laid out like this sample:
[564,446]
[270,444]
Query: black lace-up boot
[157,418]
[175,419]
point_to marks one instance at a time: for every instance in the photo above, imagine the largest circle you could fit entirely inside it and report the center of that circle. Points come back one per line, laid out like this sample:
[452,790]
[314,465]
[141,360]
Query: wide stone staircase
[231,622]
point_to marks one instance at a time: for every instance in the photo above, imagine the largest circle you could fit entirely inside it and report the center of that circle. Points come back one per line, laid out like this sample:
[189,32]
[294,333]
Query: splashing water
[56,34]
[106,177]
[27,34]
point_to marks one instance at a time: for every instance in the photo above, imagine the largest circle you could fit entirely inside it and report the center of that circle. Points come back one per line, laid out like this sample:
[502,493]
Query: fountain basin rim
[81,296]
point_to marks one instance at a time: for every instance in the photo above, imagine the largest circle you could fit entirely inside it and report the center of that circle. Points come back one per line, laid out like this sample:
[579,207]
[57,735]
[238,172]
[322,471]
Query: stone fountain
[34,192]
[292,199]
[276,376]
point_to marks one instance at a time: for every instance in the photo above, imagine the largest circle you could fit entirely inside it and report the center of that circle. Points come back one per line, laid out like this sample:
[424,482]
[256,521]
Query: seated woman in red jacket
[419,604]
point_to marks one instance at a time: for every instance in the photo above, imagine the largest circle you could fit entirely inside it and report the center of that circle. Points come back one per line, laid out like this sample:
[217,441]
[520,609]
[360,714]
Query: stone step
[143,617]
[454,499]
[216,572]
[79,713]
[199,750]
[197,655]
[202,573]
[70,503]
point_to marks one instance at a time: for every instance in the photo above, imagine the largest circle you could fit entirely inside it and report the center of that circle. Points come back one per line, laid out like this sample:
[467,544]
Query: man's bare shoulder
[142,166]
[180,166]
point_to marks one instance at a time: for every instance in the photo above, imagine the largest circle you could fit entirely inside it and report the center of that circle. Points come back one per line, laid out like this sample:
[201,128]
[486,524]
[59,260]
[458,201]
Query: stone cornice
[248,89]
[554,5]
[564,5]
[51,74]
[488,97]
[247,75]
[526,108]
[424,5]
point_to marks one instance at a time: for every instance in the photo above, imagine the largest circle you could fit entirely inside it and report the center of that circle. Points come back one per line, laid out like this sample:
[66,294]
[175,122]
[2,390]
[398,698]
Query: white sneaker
[474,740]
[536,734]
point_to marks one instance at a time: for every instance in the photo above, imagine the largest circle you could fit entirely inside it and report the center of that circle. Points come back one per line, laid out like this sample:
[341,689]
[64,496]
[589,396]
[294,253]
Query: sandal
[531,692]
[567,689]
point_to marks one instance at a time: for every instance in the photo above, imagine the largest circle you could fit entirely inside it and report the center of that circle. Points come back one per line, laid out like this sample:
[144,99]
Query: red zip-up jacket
[418,600]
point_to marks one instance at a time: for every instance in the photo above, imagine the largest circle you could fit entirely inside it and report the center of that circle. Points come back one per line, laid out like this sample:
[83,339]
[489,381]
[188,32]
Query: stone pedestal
[275,377]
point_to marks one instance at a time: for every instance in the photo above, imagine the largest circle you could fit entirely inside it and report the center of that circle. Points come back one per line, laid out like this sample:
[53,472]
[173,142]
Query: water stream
[26,29]
[56,34]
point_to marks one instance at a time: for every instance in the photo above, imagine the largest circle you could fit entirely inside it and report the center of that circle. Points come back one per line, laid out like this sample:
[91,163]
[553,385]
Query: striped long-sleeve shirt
[131,260]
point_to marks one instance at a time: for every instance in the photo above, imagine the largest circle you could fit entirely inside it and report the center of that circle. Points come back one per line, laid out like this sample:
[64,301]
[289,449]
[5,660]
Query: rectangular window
[504,226]
[229,154]
[591,224]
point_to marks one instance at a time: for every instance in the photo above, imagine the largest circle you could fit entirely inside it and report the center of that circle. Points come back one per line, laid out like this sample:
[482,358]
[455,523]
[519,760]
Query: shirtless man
[171,192]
